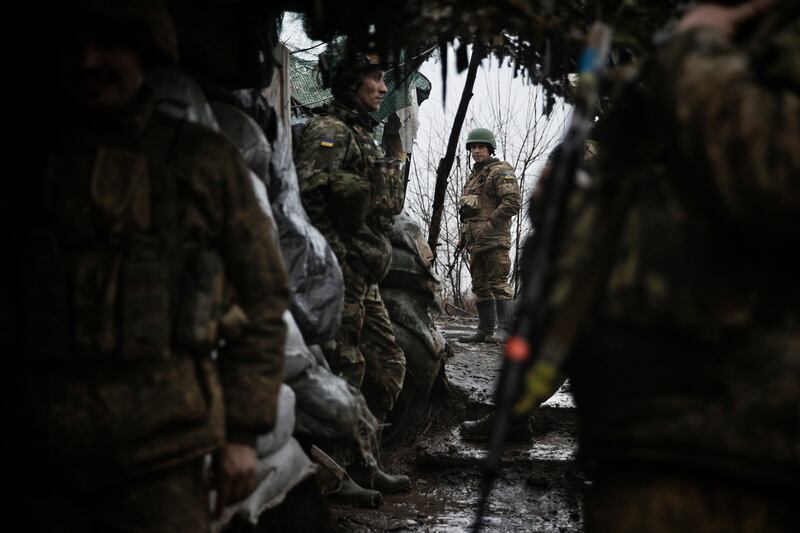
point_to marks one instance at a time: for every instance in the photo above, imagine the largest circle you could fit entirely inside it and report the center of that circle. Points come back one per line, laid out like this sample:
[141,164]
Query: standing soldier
[351,193]
[490,200]
[138,231]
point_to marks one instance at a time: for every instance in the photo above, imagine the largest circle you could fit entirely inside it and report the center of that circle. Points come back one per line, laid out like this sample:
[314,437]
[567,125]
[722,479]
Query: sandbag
[407,272]
[176,94]
[247,135]
[297,356]
[405,233]
[327,407]
[279,473]
[269,443]
[409,293]
[315,277]
[412,311]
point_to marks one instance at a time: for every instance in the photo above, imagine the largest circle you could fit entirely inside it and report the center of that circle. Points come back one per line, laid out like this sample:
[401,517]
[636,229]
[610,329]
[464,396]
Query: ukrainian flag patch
[327,143]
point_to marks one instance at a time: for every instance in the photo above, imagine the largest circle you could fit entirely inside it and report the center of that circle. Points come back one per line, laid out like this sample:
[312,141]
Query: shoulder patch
[327,143]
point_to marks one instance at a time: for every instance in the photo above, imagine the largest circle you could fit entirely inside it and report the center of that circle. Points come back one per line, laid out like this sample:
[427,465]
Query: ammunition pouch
[468,206]
[352,194]
[388,189]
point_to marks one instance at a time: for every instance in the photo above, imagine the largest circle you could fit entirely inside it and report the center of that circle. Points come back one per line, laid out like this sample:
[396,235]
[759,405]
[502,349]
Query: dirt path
[538,489]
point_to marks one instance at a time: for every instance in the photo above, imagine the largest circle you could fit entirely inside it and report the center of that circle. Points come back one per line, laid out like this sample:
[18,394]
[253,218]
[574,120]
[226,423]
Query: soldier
[687,377]
[138,231]
[351,192]
[490,200]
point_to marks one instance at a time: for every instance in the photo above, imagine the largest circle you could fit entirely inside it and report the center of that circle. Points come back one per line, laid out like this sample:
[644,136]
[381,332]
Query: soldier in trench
[489,201]
[138,231]
[351,192]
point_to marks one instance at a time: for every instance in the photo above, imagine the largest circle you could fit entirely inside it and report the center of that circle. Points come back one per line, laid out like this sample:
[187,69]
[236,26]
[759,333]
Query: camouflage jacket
[692,356]
[491,195]
[140,238]
[349,190]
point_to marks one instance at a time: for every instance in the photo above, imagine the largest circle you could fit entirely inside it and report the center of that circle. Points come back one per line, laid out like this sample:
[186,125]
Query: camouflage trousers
[175,499]
[489,270]
[366,354]
[638,502]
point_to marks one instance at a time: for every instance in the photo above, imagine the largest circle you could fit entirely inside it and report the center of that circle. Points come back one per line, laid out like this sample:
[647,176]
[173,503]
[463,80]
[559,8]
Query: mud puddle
[539,488]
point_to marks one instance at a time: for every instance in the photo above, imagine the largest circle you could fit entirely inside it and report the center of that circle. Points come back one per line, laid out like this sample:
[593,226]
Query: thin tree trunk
[446,163]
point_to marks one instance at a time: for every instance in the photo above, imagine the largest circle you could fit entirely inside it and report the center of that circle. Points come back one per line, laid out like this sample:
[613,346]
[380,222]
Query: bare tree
[525,138]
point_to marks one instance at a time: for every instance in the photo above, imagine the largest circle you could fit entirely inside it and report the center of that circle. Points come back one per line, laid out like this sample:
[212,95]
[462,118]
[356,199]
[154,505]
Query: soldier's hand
[236,467]
[721,18]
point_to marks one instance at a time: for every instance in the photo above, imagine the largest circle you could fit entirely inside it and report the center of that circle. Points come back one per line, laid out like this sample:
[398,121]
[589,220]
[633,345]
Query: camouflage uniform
[351,192]
[687,379]
[141,231]
[491,194]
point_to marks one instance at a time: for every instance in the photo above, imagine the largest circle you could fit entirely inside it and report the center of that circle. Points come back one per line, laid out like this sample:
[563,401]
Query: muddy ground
[539,488]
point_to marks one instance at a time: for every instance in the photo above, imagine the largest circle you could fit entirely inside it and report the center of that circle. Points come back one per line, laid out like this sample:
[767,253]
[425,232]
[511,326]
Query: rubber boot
[487,316]
[352,493]
[377,479]
[480,429]
[505,315]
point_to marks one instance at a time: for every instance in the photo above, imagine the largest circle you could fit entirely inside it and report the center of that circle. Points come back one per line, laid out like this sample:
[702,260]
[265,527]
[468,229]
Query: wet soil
[538,489]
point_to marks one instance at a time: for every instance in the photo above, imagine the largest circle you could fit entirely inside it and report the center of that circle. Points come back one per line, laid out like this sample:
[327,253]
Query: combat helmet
[342,67]
[482,136]
[144,24]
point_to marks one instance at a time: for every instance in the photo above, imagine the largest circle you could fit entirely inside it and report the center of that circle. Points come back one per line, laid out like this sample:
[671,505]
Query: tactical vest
[111,276]
[386,195]
[473,204]
[119,296]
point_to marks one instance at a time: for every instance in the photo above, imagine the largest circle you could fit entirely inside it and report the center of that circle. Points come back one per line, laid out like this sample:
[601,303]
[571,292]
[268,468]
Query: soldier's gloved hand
[236,467]
[721,18]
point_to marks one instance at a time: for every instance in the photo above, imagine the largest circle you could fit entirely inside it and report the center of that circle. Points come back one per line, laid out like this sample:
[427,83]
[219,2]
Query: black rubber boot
[505,315]
[377,479]
[352,493]
[479,430]
[487,317]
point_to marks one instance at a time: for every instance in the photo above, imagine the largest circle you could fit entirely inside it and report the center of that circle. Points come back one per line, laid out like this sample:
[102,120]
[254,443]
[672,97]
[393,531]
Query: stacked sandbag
[328,410]
[315,275]
[315,278]
[282,465]
[409,292]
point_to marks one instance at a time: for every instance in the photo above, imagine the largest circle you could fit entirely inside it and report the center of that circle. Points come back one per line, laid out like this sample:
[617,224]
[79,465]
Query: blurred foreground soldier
[139,230]
[489,201]
[351,192]
[687,378]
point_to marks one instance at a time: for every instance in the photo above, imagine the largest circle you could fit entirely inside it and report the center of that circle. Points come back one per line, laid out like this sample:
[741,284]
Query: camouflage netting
[308,91]
[540,38]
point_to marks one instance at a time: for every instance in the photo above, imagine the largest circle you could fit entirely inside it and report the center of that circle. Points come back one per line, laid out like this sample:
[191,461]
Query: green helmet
[483,136]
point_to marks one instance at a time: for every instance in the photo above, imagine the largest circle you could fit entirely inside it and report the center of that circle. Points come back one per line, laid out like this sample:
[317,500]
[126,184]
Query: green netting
[307,89]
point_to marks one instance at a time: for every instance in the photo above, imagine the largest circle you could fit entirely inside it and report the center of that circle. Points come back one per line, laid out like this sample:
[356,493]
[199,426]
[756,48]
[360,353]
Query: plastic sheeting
[284,424]
[314,274]
[282,471]
[406,234]
[247,135]
[409,293]
[282,465]
[178,95]
[327,408]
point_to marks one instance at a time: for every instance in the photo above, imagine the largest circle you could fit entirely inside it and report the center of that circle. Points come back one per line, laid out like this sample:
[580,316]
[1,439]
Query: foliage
[540,39]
